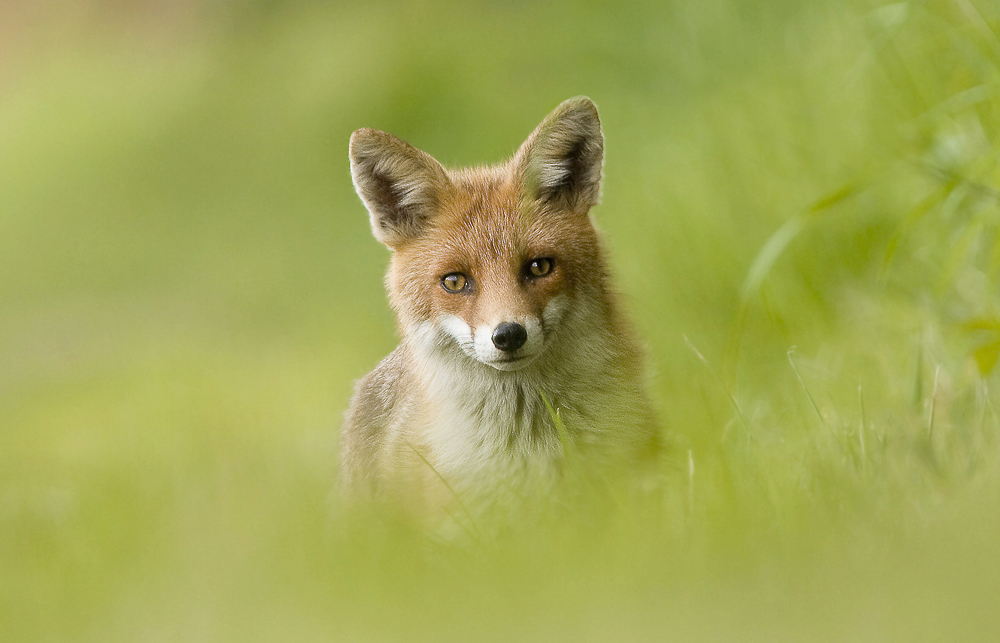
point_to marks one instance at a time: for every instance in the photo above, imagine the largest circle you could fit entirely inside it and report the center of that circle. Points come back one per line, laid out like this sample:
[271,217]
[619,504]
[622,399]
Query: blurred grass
[805,193]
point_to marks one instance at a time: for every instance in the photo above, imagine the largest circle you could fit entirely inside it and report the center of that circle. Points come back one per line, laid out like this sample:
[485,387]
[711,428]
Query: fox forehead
[489,236]
[485,219]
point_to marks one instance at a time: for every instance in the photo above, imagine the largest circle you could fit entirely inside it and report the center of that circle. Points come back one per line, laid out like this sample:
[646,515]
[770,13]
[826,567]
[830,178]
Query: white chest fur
[489,422]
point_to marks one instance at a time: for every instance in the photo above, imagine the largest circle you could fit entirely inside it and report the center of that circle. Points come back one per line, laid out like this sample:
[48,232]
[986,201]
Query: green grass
[802,209]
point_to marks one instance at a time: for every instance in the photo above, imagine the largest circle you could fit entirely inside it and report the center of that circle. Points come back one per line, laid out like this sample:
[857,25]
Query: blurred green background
[802,209]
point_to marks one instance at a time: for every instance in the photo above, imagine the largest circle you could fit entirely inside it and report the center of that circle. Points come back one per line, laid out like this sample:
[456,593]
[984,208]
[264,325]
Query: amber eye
[454,282]
[540,267]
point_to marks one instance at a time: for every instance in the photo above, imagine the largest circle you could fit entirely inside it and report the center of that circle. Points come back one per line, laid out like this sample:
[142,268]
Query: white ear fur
[562,159]
[399,184]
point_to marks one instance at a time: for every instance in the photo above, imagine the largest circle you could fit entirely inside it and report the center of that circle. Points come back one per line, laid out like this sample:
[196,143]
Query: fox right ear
[561,161]
[399,184]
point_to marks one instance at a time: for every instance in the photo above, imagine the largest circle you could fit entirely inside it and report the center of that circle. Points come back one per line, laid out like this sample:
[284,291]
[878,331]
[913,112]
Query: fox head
[489,262]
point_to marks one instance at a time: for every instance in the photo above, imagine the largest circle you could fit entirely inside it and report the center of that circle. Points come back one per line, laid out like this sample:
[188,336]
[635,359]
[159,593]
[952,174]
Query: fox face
[488,262]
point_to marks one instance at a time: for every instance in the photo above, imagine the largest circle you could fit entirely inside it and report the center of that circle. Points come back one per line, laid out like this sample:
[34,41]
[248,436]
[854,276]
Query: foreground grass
[801,205]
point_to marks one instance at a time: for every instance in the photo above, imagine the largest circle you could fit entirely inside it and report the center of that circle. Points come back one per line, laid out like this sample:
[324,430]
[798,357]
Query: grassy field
[802,206]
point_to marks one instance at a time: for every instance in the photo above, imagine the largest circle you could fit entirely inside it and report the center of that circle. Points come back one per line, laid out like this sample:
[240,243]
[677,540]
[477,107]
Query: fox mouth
[512,363]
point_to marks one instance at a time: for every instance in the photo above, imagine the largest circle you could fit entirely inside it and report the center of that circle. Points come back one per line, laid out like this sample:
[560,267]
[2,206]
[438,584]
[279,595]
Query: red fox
[513,347]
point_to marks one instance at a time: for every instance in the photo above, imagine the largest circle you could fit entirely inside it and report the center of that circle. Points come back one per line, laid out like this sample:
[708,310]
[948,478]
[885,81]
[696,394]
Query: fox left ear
[400,185]
[561,161]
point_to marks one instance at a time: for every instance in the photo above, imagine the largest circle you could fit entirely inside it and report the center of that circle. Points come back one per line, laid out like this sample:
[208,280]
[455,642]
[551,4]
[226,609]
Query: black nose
[509,336]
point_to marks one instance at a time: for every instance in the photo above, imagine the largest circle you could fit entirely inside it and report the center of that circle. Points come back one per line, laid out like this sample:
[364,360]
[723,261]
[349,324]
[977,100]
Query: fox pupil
[540,267]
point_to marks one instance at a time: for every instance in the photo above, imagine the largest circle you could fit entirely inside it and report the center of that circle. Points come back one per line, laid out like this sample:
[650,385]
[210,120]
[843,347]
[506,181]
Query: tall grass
[801,207]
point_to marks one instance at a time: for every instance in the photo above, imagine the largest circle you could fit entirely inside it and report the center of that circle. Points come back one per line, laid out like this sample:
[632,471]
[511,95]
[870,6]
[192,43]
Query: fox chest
[497,437]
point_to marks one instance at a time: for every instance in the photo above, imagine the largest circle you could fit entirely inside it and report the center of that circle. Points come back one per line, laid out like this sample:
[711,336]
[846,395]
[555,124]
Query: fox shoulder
[363,436]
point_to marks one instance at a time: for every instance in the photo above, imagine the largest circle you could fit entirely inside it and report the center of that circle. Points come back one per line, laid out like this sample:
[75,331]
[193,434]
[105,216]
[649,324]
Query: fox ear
[399,184]
[561,161]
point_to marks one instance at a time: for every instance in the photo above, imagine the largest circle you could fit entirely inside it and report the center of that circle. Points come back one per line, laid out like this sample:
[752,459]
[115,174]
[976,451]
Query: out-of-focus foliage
[802,207]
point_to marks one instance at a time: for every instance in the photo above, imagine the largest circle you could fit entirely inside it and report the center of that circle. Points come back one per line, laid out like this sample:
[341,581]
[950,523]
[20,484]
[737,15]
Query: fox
[513,347]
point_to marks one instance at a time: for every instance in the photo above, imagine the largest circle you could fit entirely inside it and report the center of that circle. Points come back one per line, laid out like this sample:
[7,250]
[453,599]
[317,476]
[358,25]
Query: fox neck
[482,419]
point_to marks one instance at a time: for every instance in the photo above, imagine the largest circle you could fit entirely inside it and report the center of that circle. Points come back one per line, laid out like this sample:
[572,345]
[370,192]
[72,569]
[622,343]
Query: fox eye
[540,267]
[454,282]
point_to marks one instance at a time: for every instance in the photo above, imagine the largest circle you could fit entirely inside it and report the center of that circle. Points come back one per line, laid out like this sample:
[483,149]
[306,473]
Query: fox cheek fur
[502,299]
